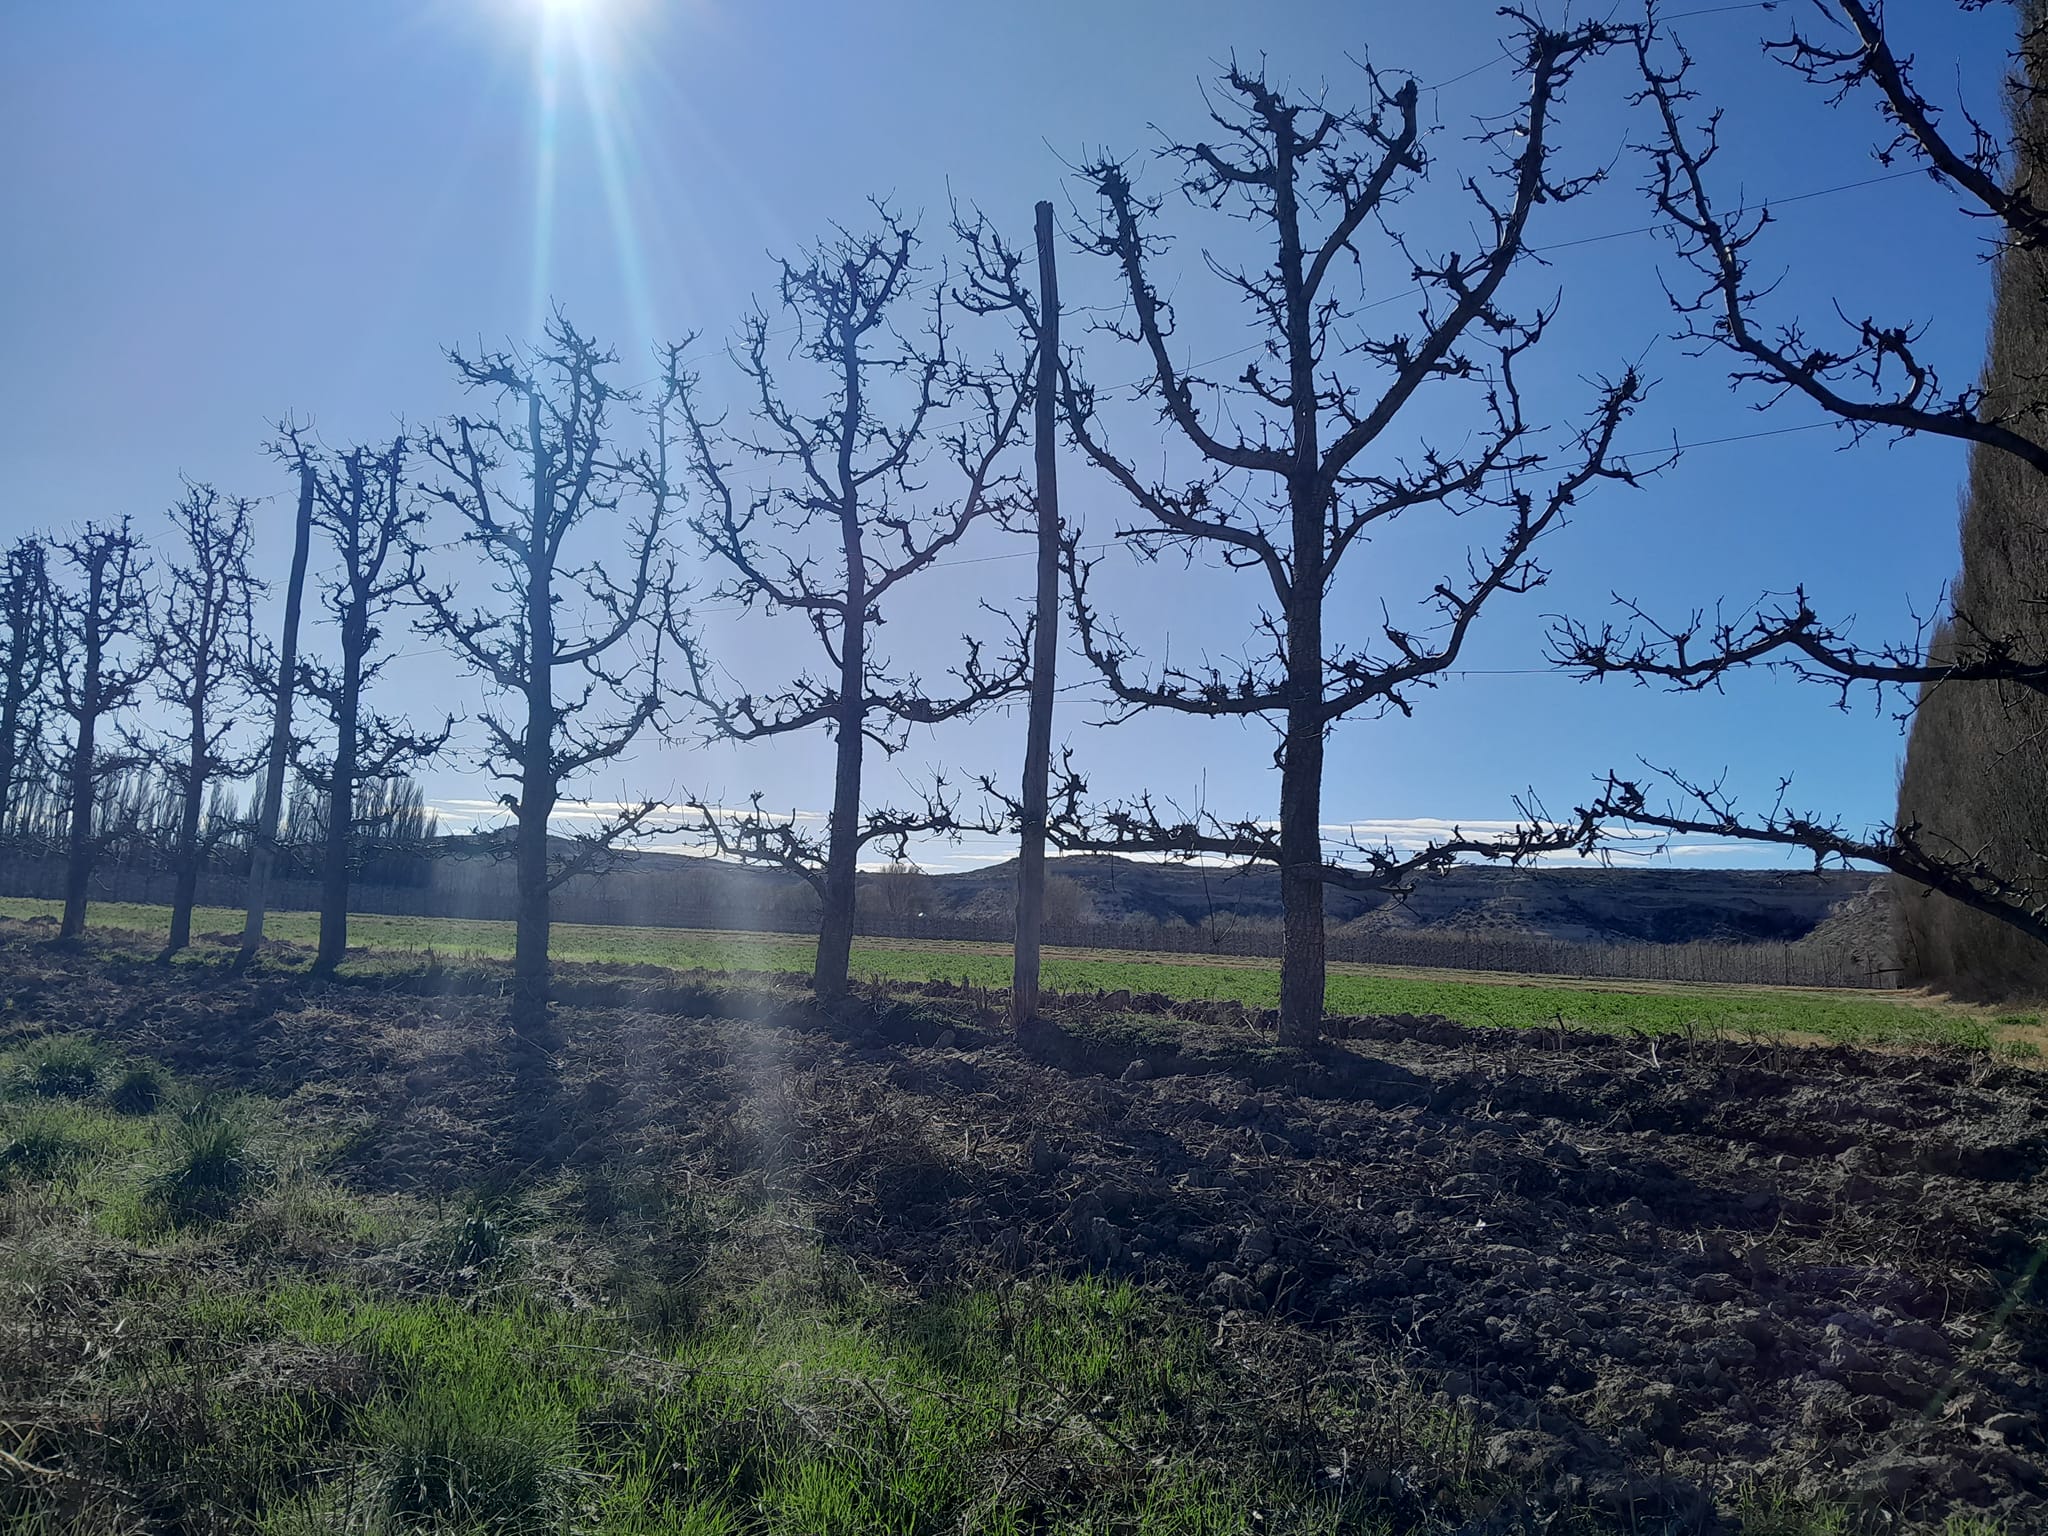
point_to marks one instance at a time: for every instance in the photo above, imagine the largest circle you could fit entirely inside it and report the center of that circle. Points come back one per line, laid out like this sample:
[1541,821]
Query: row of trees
[875,445]
[139,815]
[95,635]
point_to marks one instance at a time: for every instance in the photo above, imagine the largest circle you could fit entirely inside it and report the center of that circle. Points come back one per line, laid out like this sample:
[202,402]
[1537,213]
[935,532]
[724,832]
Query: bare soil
[1659,1272]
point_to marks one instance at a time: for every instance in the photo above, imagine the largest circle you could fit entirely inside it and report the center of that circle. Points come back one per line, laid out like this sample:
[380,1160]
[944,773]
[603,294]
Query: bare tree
[995,283]
[1984,655]
[848,462]
[293,449]
[522,482]
[365,506]
[203,640]
[24,658]
[900,892]
[102,659]
[1321,465]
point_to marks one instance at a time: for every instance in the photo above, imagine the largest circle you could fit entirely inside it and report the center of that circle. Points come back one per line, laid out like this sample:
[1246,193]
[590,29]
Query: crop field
[1652,1008]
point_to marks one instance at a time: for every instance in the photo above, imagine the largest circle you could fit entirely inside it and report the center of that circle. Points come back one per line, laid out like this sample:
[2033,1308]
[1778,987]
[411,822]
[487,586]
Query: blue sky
[221,213]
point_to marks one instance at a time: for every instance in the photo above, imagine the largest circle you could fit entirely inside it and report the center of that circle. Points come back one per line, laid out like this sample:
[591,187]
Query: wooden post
[264,852]
[1045,643]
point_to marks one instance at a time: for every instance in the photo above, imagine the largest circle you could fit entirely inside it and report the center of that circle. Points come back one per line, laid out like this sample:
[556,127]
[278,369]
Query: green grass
[250,1371]
[807,1405]
[211,1167]
[1858,1018]
[59,1067]
[317,1359]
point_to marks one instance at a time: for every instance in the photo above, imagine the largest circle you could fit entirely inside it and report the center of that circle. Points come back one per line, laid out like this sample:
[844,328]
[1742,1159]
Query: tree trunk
[1044,647]
[12,701]
[538,786]
[1302,963]
[263,854]
[530,969]
[842,852]
[185,889]
[341,795]
[842,849]
[1303,940]
[79,852]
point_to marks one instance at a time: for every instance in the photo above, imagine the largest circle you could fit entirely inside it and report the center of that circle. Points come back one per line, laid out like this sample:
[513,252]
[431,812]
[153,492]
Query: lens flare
[580,68]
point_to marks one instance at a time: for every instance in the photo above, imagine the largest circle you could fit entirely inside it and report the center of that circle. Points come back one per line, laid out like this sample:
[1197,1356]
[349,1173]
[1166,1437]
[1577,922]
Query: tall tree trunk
[263,854]
[80,849]
[839,890]
[79,844]
[530,968]
[13,700]
[538,786]
[1302,955]
[1044,645]
[842,849]
[341,795]
[185,889]
[1303,941]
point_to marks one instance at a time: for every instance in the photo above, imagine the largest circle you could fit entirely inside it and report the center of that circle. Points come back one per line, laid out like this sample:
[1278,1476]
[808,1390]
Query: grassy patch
[212,1167]
[140,1090]
[803,1405]
[1849,1018]
[58,1067]
[42,1138]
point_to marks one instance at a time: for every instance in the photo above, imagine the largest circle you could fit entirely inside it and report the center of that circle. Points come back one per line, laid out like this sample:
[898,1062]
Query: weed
[446,1456]
[213,1167]
[482,1236]
[478,1240]
[44,1140]
[61,1067]
[140,1091]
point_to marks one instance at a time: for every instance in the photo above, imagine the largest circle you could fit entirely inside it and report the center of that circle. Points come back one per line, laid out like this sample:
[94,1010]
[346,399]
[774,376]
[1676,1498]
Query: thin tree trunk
[1045,645]
[1303,943]
[263,855]
[538,786]
[531,972]
[1303,939]
[185,889]
[12,701]
[341,796]
[79,852]
[839,890]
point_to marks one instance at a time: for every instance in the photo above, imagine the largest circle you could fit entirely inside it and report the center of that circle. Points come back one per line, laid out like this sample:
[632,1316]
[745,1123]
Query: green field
[1864,1018]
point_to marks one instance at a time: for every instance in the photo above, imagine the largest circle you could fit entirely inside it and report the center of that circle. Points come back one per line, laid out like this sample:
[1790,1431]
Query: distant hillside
[1602,906]
[1659,906]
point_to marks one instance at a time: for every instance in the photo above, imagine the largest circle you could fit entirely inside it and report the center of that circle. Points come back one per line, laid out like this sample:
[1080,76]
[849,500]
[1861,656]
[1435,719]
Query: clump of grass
[213,1168]
[451,1457]
[482,1237]
[140,1090]
[43,1141]
[61,1067]
[478,1240]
